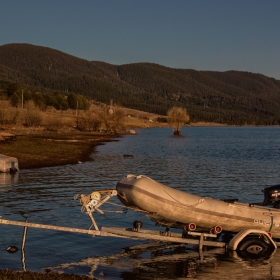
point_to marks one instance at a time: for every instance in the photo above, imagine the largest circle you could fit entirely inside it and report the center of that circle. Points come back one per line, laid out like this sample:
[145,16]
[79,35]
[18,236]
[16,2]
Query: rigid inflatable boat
[173,208]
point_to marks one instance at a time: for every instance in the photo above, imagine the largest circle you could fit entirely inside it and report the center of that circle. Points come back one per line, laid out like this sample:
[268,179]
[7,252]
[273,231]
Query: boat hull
[173,208]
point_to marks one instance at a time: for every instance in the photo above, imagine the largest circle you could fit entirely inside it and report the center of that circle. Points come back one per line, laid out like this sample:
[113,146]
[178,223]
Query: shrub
[177,117]
[33,117]
[53,123]
[112,118]
[8,116]
[88,123]
[162,119]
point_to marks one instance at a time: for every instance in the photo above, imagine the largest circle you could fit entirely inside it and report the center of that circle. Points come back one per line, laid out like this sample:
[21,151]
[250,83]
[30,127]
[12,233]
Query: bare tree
[177,117]
[112,117]
[88,122]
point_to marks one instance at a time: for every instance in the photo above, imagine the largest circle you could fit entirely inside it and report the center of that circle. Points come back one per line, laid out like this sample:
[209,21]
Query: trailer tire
[254,248]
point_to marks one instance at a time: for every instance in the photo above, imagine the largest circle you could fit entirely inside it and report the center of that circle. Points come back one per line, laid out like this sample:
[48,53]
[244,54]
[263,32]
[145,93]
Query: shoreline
[37,148]
[44,149]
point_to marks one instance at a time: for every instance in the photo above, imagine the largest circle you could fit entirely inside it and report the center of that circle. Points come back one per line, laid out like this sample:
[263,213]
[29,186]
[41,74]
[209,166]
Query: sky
[215,35]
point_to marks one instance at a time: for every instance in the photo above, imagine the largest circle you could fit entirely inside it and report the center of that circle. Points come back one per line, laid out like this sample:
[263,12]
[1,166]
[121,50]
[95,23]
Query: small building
[8,164]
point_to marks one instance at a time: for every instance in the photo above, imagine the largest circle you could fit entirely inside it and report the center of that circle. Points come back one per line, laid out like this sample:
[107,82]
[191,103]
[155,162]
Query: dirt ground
[42,149]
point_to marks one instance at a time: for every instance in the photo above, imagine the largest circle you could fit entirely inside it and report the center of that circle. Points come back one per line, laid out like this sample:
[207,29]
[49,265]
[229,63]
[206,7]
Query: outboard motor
[272,196]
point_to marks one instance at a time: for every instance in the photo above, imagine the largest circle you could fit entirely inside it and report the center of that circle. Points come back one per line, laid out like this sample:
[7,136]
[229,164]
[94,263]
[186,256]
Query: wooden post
[23,245]
[77,108]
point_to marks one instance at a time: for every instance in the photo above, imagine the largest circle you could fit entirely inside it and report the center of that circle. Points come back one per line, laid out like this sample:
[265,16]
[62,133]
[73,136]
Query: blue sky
[215,35]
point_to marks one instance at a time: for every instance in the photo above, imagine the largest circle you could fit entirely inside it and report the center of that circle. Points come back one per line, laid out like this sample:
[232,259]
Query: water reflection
[158,261]
[154,260]
[8,180]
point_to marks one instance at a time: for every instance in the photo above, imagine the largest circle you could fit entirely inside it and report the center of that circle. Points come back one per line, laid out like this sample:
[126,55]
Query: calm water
[221,162]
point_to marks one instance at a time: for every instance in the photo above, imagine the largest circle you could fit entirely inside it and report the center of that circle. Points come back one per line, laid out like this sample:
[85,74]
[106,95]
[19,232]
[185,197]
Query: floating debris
[128,156]
[12,249]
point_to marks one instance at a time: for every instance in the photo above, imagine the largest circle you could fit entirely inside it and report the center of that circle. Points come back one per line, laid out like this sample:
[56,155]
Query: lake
[218,162]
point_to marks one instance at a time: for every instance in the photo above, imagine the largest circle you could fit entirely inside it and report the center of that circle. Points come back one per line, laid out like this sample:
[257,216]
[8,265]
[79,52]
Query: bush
[88,123]
[112,118]
[162,119]
[8,116]
[177,117]
[33,117]
[53,123]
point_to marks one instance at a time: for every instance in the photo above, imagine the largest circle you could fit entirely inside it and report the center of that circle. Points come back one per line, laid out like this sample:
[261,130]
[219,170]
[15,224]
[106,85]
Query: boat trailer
[253,239]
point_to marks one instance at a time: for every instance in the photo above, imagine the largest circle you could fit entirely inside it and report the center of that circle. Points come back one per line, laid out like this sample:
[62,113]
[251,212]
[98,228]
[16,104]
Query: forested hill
[231,97]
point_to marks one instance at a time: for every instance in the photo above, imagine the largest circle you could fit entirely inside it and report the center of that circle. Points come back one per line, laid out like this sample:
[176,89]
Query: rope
[122,206]
[122,196]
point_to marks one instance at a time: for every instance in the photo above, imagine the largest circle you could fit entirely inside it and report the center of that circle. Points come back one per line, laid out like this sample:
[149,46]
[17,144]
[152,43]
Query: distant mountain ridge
[231,97]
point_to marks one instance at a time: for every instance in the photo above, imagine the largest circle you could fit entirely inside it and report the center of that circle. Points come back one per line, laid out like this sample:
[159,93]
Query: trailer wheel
[253,248]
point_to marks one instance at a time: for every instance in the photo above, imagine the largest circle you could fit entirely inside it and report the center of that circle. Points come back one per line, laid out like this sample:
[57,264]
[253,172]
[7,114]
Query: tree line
[18,96]
[231,97]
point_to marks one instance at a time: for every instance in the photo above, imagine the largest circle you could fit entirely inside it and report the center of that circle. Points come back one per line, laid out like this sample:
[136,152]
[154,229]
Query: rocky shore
[6,274]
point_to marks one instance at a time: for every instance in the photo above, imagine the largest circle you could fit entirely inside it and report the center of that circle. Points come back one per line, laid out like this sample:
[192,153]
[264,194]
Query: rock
[128,156]
[12,249]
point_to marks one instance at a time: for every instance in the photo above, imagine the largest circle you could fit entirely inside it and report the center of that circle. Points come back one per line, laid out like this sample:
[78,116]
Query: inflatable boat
[177,209]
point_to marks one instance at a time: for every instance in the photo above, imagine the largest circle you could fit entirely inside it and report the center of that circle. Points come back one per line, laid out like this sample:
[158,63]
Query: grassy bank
[42,149]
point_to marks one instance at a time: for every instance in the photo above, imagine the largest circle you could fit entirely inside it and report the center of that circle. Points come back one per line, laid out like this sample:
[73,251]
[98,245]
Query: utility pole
[111,111]
[77,108]
[22,99]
